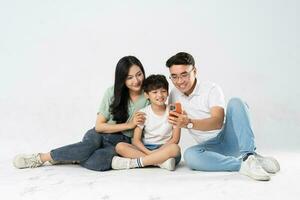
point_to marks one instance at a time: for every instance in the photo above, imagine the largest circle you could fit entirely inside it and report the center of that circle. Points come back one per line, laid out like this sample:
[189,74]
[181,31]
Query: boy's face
[158,96]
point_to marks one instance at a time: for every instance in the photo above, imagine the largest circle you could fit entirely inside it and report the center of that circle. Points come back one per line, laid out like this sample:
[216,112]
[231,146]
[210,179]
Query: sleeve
[216,97]
[105,104]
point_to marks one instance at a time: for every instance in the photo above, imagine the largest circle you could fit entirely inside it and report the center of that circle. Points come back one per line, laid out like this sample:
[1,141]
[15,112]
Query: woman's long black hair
[119,105]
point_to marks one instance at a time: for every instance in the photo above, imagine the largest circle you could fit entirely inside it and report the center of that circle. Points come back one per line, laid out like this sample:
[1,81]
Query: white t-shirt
[197,106]
[156,129]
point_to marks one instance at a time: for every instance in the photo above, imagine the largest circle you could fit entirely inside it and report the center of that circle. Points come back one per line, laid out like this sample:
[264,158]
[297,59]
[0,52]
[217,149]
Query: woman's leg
[79,151]
[100,160]
[75,152]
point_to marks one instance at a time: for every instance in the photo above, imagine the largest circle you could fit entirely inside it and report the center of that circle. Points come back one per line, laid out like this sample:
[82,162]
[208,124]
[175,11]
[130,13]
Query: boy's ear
[146,95]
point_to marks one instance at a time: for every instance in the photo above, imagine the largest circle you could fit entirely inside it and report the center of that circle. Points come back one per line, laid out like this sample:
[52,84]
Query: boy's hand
[179,120]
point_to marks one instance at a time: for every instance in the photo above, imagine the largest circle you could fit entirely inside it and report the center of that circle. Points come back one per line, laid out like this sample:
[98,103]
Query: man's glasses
[182,76]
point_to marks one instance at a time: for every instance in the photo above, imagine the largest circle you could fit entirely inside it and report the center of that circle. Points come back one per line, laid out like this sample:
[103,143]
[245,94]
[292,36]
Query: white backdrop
[58,57]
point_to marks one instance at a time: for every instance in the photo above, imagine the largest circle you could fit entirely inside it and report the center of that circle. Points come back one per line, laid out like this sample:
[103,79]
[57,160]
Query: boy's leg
[162,154]
[128,150]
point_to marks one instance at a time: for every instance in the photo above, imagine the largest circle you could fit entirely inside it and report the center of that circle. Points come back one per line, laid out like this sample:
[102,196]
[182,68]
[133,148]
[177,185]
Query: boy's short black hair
[155,81]
[181,58]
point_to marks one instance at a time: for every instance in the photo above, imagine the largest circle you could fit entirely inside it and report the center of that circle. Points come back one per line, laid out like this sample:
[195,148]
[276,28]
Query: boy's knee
[120,147]
[174,150]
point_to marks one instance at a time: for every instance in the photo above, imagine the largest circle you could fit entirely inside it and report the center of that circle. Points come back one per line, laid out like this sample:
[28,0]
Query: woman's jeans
[94,152]
[224,152]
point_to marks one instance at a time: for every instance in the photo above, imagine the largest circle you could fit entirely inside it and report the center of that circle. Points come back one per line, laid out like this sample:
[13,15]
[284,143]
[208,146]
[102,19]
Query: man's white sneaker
[269,164]
[120,163]
[27,161]
[168,164]
[252,168]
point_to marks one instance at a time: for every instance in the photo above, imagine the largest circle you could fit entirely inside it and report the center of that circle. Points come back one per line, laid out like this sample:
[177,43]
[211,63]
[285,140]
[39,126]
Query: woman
[116,119]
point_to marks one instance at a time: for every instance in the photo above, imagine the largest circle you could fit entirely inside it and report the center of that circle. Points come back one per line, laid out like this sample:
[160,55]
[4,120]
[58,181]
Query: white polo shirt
[197,105]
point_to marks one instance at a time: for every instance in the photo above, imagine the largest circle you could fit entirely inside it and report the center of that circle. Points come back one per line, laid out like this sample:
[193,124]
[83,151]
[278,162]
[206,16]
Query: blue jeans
[156,146]
[224,152]
[94,152]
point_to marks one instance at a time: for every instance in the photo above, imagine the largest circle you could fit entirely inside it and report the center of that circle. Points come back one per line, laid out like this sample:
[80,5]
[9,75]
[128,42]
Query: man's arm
[212,123]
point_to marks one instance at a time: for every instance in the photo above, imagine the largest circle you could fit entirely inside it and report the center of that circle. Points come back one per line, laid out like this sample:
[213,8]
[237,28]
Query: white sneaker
[27,161]
[252,168]
[120,163]
[168,164]
[269,164]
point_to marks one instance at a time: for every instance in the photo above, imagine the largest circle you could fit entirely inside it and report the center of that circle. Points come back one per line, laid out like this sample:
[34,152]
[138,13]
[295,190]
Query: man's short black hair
[181,58]
[154,82]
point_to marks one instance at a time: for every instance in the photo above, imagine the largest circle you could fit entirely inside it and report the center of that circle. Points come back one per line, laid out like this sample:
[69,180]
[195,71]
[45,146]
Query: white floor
[75,182]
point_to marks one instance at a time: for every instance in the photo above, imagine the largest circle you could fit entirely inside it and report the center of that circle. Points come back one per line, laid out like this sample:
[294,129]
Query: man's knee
[235,104]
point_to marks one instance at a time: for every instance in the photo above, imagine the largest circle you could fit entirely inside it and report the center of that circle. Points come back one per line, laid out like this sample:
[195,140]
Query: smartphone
[176,107]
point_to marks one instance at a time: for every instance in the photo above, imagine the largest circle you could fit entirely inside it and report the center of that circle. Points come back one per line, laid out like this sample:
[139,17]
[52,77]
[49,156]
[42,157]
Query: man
[223,145]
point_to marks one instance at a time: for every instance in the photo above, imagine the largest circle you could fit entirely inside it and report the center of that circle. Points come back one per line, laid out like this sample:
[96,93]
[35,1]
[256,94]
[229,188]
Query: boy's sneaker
[27,161]
[269,164]
[252,168]
[168,164]
[120,163]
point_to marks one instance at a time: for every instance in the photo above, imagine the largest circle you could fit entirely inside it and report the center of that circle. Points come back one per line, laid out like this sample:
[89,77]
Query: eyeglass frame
[185,75]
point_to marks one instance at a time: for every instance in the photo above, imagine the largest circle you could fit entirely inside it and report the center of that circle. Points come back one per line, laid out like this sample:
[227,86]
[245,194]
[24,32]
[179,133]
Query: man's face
[183,77]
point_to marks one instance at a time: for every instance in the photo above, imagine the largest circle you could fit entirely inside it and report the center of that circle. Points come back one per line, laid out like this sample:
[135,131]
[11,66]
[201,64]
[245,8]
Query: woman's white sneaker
[252,168]
[27,161]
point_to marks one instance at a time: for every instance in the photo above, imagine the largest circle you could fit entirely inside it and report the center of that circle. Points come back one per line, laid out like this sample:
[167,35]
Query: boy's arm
[175,136]
[137,140]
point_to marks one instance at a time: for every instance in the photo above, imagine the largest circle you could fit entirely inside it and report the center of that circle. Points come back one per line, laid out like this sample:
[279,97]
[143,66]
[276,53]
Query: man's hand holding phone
[177,116]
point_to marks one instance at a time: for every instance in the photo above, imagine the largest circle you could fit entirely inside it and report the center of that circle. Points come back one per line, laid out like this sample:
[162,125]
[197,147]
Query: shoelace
[254,164]
[33,162]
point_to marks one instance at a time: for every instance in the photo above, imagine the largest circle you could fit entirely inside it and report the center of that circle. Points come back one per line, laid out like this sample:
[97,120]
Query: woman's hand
[137,119]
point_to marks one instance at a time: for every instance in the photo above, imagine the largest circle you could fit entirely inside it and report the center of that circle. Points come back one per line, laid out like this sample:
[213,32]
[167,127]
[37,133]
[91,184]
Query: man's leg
[205,157]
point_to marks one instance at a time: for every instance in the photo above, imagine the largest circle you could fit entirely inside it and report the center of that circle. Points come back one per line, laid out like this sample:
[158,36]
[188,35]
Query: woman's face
[134,79]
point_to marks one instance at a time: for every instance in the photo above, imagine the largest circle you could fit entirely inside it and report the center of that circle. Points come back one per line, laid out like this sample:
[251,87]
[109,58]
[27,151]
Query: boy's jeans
[94,152]
[235,140]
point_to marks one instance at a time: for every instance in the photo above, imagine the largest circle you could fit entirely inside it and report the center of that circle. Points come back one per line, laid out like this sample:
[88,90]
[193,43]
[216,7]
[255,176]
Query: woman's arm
[103,127]
[137,140]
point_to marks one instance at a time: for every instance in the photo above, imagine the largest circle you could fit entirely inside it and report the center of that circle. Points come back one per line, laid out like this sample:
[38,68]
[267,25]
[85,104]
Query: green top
[132,108]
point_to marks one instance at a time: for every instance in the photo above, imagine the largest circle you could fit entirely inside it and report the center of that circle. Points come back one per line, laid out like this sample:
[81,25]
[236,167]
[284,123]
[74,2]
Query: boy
[155,142]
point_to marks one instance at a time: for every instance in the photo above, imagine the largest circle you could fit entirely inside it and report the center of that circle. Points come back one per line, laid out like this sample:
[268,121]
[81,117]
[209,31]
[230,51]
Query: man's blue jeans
[223,153]
[94,152]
